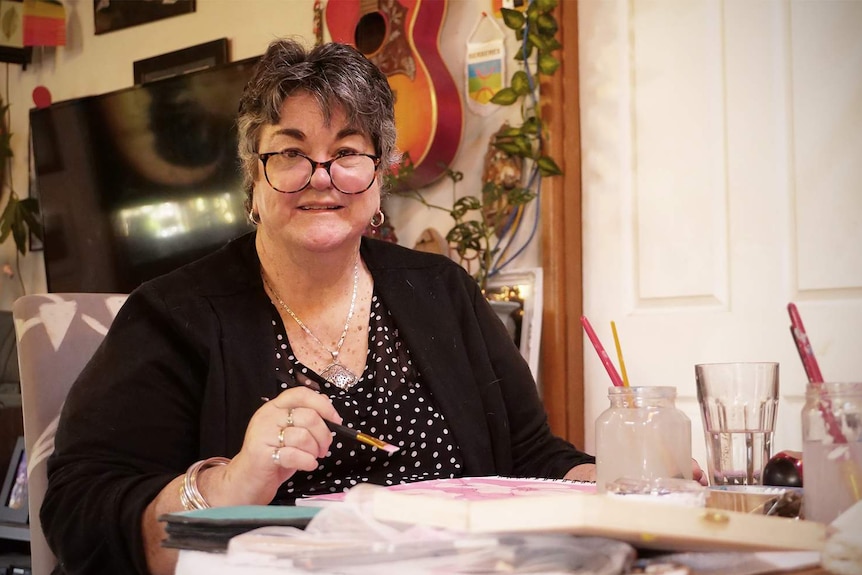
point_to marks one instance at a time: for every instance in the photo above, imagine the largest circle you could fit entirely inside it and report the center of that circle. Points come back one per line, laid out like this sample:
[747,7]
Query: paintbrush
[603,355]
[345,431]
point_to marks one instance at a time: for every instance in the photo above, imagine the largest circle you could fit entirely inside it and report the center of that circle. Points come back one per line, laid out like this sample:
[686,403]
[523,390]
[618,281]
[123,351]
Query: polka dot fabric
[389,401]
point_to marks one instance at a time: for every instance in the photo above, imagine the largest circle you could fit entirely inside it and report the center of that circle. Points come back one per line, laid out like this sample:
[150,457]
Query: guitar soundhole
[370,33]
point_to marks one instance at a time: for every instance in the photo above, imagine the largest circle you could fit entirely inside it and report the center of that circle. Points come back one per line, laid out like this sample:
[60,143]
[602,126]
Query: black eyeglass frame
[314,165]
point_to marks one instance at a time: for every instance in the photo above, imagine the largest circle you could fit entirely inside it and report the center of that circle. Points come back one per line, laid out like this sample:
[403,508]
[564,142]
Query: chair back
[57,334]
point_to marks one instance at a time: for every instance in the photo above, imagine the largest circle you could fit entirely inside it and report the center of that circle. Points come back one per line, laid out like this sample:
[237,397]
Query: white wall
[91,64]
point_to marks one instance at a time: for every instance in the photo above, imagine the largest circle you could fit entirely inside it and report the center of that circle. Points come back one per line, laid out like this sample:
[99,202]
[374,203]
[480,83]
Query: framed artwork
[111,15]
[13,498]
[191,59]
[12,47]
[521,290]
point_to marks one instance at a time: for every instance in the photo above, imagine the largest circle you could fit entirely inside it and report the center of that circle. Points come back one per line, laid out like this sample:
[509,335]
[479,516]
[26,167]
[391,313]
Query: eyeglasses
[290,172]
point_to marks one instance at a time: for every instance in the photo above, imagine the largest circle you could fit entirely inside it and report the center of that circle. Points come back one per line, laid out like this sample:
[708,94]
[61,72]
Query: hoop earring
[254,217]
[377,219]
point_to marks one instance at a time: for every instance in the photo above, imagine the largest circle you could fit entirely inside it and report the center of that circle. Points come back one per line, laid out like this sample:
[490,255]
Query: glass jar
[831,449]
[642,436]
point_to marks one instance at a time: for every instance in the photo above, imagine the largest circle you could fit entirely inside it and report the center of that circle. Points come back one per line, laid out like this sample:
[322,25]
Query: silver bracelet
[190,495]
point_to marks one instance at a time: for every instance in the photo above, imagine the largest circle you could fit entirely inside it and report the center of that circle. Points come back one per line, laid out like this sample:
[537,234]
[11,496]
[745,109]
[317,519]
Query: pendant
[339,376]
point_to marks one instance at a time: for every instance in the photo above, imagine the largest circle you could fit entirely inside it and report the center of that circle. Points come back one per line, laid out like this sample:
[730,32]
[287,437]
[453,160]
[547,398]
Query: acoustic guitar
[402,38]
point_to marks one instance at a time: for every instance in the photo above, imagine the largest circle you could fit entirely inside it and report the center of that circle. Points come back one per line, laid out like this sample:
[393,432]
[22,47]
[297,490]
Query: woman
[305,311]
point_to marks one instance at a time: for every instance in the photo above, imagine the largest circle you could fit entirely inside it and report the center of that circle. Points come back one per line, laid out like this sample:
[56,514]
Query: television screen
[137,182]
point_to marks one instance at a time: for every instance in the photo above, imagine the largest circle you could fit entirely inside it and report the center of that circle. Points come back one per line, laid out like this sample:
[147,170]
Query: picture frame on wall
[111,15]
[517,297]
[184,61]
[14,506]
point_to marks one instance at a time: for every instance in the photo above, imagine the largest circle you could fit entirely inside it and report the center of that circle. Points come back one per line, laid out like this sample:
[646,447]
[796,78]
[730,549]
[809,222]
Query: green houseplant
[19,218]
[484,222]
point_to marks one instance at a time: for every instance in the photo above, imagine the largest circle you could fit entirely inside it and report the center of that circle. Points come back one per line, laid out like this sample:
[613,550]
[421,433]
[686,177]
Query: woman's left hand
[583,472]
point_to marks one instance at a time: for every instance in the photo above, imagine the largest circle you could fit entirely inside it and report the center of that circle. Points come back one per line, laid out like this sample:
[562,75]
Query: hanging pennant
[485,65]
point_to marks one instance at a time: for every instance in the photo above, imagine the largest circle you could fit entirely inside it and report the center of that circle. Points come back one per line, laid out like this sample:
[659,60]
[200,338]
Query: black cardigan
[188,358]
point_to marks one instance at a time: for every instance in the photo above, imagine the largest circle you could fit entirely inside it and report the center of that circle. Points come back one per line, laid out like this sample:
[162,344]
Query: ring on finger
[289,422]
[276,456]
[281,437]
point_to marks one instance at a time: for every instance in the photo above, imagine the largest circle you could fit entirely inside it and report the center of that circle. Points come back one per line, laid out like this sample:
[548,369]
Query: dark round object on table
[783,470]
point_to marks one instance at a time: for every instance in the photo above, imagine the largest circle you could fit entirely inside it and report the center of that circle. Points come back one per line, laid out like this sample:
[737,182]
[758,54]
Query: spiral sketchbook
[470,488]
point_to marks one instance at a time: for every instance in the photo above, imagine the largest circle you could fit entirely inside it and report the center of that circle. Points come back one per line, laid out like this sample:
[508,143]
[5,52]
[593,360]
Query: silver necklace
[335,373]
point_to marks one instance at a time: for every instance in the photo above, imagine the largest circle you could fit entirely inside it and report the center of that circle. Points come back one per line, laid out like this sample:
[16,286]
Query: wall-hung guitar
[402,38]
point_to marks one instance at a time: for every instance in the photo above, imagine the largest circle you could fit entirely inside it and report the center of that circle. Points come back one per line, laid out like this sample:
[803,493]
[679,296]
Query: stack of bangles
[190,495]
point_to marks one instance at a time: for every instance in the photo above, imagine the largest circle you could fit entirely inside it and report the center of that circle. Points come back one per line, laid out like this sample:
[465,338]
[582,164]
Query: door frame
[562,350]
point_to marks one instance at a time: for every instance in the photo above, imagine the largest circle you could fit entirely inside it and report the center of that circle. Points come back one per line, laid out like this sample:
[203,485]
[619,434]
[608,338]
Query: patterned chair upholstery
[57,335]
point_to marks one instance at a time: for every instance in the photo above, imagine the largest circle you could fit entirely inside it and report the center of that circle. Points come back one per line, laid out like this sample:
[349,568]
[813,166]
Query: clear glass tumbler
[831,449]
[642,435]
[738,404]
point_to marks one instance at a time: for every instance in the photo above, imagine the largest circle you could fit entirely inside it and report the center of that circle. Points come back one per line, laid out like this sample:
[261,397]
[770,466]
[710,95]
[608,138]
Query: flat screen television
[137,182]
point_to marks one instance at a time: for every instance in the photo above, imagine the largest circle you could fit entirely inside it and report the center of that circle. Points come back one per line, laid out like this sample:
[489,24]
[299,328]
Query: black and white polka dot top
[389,401]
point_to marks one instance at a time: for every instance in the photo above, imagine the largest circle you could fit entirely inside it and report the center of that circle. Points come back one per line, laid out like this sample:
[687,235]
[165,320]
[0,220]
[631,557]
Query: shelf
[14,531]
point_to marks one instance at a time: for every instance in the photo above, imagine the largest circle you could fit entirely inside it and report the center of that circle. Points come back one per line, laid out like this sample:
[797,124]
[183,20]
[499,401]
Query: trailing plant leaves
[19,219]
[6,219]
[538,41]
[530,126]
[467,236]
[505,97]
[552,44]
[547,24]
[464,205]
[508,146]
[525,51]
[513,19]
[548,64]
[548,167]
[28,209]
[508,132]
[520,196]
[520,83]
[524,147]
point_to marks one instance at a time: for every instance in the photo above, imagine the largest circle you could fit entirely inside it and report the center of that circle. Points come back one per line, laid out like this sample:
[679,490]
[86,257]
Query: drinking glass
[739,403]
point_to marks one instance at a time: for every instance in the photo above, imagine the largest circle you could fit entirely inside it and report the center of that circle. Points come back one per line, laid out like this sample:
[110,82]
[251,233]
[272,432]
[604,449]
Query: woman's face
[319,218]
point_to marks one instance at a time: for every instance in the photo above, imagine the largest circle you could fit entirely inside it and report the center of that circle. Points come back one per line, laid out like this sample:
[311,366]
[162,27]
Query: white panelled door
[722,179]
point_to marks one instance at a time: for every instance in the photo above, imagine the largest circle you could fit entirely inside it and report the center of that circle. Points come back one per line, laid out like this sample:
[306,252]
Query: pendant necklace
[335,373]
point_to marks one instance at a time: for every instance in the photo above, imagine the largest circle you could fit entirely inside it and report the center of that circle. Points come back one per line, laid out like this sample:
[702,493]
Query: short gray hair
[337,75]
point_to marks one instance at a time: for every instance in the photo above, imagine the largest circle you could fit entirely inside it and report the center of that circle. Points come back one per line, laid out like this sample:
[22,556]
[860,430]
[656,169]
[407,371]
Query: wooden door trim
[562,356]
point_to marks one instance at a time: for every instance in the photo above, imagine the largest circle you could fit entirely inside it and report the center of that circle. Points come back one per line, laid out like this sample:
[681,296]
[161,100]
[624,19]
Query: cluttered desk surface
[493,525]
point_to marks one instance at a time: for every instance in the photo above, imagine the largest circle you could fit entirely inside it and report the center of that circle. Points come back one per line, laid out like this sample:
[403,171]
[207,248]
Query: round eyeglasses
[290,172]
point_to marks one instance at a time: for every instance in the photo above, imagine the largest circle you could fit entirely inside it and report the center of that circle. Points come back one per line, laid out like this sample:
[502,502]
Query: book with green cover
[211,529]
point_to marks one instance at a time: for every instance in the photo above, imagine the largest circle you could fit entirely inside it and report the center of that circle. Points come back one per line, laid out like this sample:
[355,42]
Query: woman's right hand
[255,473]
[287,434]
